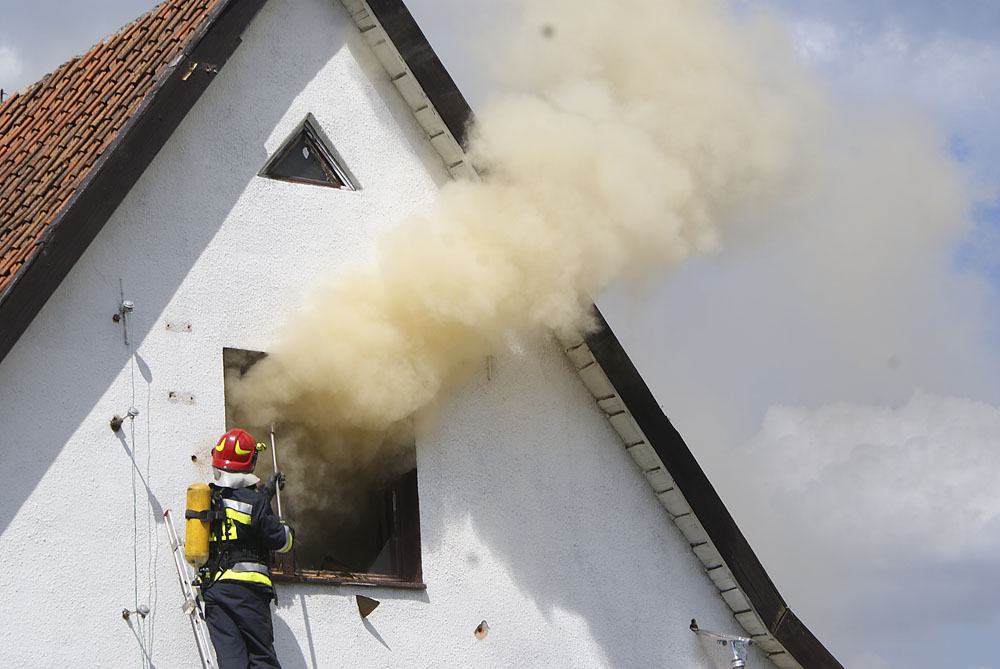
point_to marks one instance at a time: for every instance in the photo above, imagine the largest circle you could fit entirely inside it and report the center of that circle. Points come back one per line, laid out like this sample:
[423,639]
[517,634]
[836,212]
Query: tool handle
[274,459]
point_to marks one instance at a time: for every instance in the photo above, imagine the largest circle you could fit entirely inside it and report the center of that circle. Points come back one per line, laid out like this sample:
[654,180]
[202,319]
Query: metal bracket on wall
[117,421]
[121,316]
[211,68]
[125,309]
[737,644]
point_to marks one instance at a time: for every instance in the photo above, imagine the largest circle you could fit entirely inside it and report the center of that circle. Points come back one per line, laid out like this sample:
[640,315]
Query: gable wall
[532,515]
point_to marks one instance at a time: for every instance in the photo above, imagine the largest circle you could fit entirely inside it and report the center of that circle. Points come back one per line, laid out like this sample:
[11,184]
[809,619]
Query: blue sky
[838,379]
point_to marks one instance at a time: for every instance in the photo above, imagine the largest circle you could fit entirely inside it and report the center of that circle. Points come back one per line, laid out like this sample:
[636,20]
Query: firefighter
[236,580]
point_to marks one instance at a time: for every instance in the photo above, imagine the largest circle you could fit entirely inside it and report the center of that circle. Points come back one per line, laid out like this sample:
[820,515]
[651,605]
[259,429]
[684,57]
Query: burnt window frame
[337,174]
[402,499]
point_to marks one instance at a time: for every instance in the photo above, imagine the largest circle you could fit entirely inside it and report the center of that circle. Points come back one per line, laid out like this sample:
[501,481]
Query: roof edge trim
[701,496]
[126,129]
[114,174]
[409,41]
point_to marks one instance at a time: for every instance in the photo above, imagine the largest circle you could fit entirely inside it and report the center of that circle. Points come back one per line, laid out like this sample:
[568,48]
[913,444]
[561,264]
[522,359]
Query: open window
[356,519]
[307,156]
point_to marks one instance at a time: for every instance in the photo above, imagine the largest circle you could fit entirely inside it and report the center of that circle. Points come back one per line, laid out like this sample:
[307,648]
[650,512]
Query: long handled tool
[192,606]
[274,459]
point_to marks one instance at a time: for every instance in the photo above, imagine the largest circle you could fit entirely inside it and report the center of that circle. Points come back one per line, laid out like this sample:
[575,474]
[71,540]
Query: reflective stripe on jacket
[247,533]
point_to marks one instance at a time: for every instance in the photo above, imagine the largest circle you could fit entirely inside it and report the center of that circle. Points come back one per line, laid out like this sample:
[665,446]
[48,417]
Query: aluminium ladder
[192,606]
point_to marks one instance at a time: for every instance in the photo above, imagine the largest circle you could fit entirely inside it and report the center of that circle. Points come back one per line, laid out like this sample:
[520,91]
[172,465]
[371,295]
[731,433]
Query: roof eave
[421,79]
[84,215]
[714,535]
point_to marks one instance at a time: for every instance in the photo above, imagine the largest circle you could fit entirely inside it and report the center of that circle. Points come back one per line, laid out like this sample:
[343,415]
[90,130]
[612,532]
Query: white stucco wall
[532,515]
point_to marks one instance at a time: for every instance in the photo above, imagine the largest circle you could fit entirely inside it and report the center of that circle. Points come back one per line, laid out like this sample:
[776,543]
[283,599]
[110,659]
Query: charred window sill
[345,578]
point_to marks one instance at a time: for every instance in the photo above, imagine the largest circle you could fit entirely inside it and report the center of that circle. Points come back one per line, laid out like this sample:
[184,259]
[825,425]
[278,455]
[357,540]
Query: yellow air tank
[196,526]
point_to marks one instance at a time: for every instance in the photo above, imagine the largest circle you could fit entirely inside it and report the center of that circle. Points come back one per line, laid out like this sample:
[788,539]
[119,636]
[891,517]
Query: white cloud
[890,513]
[871,507]
[917,480]
[951,71]
[855,297]
[818,42]
[10,66]
[953,76]
[975,18]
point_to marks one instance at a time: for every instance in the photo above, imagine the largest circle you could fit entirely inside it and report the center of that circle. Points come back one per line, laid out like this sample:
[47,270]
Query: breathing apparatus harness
[225,547]
[215,543]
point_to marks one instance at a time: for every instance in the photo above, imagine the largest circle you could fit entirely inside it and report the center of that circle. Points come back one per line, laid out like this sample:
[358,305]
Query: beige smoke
[630,133]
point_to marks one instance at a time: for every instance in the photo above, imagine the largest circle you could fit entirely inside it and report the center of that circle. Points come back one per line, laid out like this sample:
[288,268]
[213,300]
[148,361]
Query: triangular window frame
[320,152]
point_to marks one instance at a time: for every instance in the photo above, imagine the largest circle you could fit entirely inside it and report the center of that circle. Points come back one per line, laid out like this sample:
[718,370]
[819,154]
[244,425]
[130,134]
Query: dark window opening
[306,156]
[352,526]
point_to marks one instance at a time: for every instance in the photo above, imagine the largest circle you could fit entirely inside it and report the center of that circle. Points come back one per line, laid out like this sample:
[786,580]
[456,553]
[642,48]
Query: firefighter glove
[275,481]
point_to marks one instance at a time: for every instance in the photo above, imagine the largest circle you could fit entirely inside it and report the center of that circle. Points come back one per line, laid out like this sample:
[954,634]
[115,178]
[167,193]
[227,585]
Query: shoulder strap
[219,546]
[217,511]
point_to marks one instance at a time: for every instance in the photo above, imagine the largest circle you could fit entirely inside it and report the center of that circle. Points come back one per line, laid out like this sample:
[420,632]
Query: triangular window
[307,157]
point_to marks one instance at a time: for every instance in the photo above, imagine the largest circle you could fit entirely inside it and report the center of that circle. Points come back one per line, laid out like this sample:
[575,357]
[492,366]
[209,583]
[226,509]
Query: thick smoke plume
[629,134]
[635,134]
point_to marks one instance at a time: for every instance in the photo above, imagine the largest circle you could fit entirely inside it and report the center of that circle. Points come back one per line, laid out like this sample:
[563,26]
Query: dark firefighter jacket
[239,545]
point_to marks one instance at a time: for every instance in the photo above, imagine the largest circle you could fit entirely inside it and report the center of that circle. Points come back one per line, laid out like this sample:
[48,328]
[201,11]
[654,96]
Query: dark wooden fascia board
[404,33]
[704,500]
[802,644]
[129,154]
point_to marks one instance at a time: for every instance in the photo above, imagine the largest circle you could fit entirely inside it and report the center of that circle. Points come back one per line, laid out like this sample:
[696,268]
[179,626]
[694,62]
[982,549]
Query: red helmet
[236,452]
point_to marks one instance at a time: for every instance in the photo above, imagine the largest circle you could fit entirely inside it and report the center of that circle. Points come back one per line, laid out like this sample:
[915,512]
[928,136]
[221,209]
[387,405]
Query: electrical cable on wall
[142,628]
[153,544]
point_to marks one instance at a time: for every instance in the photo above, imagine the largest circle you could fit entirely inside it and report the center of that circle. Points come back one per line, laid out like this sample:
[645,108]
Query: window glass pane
[301,160]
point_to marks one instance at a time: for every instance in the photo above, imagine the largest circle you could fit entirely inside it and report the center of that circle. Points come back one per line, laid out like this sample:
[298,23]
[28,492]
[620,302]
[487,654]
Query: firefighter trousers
[239,622]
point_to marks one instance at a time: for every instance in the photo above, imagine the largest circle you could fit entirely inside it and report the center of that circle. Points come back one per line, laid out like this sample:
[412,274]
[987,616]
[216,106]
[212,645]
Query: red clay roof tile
[53,132]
